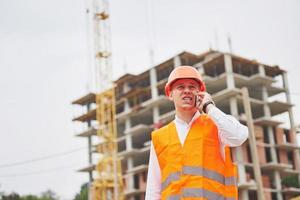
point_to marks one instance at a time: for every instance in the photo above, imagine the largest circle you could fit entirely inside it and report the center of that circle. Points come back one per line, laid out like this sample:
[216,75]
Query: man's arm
[231,131]
[153,188]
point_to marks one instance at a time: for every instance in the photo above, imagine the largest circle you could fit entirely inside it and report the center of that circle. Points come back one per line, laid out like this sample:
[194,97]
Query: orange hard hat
[184,72]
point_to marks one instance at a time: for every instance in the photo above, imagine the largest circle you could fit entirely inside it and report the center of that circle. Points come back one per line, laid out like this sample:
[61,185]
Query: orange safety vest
[194,170]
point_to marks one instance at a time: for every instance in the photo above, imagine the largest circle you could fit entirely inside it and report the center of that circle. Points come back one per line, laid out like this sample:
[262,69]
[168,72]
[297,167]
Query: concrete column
[261,70]
[233,107]
[267,112]
[272,142]
[200,68]
[278,185]
[238,152]
[128,139]
[252,142]
[229,72]
[127,123]
[131,178]
[177,61]
[126,88]
[126,105]
[241,172]
[292,123]
[155,114]
[271,136]
[154,93]
[288,98]
[153,82]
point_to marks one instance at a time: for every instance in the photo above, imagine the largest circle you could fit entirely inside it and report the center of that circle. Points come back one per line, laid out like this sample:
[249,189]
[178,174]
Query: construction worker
[190,157]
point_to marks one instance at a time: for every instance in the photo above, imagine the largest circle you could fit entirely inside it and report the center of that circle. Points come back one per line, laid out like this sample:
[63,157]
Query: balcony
[138,129]
[137,169]
[255,80]
[266,121]
[89,168]
[161,99]
[291,191]
[215,84]
[122,116]
[225,94]
[87,99]
[278,107]
[288,172]
[128,153]
[133,192]
[169,116]
[91,115]
[288,146]
[276,166]
[91,131]
[251,184]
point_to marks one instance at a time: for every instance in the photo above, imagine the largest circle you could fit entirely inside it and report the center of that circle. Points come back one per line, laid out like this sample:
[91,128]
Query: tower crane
[108,185]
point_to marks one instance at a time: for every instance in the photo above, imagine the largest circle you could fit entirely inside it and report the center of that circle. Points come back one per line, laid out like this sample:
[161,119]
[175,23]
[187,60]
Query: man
[190,157]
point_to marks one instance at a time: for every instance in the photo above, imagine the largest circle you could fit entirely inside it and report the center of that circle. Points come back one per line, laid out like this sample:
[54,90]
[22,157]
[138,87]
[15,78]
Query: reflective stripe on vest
[172,177]
[199,171]
[199,193]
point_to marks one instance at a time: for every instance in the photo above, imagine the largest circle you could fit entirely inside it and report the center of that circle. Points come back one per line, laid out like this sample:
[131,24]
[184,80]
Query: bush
[290,181]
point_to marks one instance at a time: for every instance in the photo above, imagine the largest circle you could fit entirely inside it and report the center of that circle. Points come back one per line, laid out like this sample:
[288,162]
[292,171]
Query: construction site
[141,106]
[121,114]
[92,108]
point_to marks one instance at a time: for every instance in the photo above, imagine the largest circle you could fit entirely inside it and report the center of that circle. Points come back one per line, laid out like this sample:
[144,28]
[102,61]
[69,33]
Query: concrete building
[142,107]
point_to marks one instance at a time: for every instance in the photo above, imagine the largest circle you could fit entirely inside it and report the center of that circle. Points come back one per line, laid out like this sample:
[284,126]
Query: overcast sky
[44,66]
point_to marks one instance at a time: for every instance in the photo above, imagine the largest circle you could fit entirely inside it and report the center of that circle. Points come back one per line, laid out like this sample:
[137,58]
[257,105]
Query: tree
[12,196]
[49,195]
[83,194]
[290,181]
[29,197]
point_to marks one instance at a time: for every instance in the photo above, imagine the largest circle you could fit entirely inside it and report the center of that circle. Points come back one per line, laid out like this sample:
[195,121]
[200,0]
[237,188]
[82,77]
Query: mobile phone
[196,99]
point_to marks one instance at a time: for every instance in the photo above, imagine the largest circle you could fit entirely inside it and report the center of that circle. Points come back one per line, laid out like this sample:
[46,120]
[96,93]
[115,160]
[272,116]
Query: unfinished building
[142,107]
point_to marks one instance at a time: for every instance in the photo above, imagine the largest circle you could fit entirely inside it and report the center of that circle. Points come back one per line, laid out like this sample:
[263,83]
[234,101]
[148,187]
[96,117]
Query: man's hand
[202,99]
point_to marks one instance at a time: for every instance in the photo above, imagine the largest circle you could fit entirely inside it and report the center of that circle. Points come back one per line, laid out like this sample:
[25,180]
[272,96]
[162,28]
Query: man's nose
[187,90]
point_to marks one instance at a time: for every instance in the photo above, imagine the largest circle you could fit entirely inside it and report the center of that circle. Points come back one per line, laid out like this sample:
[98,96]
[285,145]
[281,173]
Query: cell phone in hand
[196,99]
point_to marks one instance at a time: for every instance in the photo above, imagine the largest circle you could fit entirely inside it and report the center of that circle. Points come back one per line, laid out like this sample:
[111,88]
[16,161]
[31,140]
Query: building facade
[142,107]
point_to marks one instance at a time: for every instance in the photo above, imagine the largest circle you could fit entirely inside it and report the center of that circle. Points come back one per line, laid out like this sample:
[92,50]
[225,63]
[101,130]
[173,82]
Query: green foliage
[12,196]
[47,195]
[290,181]
[83,194]
[30,197]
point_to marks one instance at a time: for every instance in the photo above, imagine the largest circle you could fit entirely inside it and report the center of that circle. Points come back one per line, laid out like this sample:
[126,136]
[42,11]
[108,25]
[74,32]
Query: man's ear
[170,96]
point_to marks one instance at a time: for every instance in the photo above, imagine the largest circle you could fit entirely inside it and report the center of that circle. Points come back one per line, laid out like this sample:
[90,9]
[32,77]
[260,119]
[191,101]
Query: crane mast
[108,185]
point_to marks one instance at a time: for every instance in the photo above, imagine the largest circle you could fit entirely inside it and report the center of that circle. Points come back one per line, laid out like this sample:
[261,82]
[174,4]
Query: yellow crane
[108,185]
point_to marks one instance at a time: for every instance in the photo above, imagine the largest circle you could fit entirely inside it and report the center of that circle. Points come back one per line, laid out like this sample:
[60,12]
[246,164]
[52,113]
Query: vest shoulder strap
[160,136]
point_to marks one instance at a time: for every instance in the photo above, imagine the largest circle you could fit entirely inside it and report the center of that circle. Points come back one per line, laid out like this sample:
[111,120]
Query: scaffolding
[109,184]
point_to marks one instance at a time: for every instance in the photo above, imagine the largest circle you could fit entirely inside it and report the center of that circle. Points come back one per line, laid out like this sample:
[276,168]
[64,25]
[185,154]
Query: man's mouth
[187,99]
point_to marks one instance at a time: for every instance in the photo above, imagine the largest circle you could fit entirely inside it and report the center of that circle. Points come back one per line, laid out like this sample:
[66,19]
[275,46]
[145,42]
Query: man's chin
[187,107]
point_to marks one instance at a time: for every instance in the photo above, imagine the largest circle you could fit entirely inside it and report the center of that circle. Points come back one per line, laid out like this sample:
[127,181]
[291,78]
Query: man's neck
[186,116]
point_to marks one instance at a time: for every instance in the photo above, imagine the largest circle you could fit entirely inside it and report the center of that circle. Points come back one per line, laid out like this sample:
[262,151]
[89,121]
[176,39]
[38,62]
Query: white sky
[43,67]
